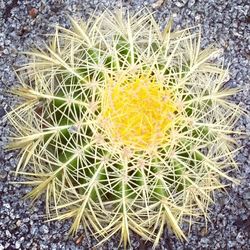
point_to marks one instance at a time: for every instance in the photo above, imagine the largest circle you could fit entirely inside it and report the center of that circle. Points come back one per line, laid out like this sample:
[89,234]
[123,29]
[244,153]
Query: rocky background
[25,23]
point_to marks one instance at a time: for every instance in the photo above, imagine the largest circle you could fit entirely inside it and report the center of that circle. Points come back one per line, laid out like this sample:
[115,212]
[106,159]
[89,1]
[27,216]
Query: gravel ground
[24,23]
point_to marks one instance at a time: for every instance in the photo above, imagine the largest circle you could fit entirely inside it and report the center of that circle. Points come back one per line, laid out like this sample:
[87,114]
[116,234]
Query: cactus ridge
[126,127]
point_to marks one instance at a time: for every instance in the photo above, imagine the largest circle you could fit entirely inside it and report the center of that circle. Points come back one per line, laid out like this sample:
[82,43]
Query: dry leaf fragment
[79,240]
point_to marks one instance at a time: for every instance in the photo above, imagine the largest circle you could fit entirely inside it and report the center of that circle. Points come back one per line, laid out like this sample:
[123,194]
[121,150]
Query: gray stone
[44,229]
[2,112]
[246,195]
[191,3]
[180,3]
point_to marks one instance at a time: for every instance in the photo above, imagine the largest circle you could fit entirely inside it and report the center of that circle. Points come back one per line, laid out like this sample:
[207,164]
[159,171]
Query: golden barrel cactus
[126,127]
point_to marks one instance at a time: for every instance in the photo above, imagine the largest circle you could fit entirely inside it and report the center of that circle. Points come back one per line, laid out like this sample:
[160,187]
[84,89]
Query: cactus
[124,126]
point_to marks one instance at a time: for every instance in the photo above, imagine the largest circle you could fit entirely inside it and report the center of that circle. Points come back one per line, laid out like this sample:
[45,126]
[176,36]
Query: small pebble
[33,12]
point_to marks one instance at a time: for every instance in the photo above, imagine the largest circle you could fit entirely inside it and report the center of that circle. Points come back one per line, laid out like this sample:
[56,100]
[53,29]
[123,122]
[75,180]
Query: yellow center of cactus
[138,112]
